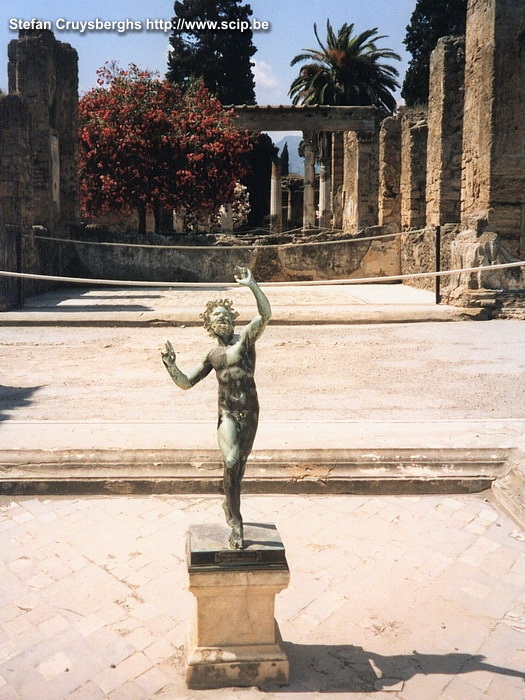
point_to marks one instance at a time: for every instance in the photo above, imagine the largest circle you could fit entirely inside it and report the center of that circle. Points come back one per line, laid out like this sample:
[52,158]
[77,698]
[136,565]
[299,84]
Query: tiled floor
[415,598]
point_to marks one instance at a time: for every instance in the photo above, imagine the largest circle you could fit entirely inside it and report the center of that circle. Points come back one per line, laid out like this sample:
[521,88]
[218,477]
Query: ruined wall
[361,180]
[493,182]
[15,163]
[15,194]
[419,254]
[38,159]
[328,260]
[413,174]
[44,72]
[389,205]
[445,132]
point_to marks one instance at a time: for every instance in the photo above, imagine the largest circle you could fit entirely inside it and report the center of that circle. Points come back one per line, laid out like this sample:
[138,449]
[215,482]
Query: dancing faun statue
[233,360]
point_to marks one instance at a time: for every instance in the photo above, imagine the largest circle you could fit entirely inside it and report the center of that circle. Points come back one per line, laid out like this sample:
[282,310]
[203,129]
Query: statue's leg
[247,433]
[228,437]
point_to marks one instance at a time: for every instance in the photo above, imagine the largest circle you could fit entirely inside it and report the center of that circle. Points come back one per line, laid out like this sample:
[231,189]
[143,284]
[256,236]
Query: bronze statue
[233,360]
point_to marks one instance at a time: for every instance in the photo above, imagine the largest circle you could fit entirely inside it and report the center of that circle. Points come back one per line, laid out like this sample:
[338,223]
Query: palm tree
[347,71]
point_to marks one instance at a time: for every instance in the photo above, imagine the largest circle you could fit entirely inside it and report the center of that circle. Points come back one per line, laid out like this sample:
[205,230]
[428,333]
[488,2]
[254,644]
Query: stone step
[330,471]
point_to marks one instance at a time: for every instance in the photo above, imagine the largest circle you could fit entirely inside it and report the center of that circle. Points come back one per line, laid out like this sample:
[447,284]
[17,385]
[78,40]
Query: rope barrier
[299,283]
[217,247]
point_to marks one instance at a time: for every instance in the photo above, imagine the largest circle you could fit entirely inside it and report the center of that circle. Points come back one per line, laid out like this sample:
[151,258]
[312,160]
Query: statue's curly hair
[211,305]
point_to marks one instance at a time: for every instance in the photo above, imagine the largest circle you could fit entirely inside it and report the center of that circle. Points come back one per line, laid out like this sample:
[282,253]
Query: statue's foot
[236,538]
[228,514]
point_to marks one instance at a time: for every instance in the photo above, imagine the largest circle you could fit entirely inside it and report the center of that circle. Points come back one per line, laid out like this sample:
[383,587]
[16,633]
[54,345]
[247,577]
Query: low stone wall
[270,263]
[498,293]
[418,254]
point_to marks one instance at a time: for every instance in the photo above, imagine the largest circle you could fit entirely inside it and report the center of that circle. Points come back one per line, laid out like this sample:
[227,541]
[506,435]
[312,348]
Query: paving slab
[390,597]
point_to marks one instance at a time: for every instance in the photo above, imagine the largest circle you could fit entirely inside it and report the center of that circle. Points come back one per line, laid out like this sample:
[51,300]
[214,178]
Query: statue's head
[219,317]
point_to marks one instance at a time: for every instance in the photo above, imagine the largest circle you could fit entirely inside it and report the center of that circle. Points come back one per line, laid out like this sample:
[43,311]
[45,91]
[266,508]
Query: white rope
[302,283]
[218,247]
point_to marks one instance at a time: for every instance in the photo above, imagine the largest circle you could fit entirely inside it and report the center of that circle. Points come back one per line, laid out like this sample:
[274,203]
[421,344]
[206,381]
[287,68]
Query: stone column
[289,205]
[66,112]
[413,174]
[337,178]
[310,145]
[493,179]
[325,187]
[276,209]
[389,205]
[445,129]
[361,183]
[294,210]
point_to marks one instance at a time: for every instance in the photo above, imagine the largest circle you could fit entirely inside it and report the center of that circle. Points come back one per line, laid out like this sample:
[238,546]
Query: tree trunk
[142,218]
[157,213]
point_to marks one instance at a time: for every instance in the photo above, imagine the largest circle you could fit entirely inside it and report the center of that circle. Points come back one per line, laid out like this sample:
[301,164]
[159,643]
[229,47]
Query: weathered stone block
[414,132]
[493,183]
[44,72]
[361,180]
[235,640]
[445,128]
[389,206]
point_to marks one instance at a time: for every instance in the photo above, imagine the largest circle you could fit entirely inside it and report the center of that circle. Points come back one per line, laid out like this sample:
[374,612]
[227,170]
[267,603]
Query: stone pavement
[82,371]
[406,597]
[412,598]
[317,303]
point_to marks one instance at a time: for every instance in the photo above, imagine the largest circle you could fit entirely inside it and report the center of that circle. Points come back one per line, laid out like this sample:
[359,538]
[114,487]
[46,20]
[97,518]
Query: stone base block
[234,639]
[264,666]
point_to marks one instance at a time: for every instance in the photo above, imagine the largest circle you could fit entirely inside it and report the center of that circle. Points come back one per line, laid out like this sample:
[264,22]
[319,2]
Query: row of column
[311,141]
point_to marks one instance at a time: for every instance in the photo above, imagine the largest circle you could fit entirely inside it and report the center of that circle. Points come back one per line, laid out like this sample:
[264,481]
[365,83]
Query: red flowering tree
[144,143]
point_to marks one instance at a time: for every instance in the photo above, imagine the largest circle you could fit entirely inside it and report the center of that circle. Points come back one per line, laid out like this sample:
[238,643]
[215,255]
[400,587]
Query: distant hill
[296,162]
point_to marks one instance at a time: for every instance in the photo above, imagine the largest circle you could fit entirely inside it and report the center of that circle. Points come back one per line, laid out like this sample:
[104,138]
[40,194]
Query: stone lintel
[309,118]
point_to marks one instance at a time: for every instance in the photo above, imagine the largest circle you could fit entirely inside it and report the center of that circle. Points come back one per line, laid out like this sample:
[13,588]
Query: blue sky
[291,29]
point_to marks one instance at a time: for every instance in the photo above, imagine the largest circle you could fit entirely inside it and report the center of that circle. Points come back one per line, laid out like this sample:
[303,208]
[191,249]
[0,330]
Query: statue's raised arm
[255,328]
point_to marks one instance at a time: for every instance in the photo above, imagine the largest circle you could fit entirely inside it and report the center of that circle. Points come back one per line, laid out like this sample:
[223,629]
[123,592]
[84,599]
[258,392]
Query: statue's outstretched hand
[243,275]
[169,357]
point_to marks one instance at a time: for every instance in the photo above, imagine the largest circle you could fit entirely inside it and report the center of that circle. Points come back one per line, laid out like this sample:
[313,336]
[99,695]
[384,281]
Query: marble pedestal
[234,639]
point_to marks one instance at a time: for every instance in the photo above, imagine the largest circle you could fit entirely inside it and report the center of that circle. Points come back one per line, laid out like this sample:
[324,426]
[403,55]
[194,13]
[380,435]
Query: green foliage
[430,20]
[220,57]
[348,70]
[285,160]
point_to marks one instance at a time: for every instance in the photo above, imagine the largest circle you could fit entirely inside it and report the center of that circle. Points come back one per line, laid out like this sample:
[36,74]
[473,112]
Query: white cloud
[264,76]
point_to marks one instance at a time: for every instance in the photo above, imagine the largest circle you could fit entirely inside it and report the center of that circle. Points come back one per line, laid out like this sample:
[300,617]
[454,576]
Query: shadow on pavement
[351,669]
[120,295]
[89,308]
[12,397]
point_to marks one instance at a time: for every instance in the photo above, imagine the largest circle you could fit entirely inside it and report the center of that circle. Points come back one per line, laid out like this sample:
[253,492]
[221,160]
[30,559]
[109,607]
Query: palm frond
[349,69]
